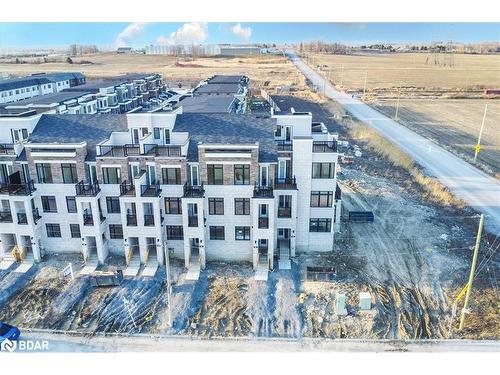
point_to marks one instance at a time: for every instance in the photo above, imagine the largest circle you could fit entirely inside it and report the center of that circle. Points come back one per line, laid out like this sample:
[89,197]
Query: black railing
[192,220]
[127,189]
[88,219]
[284,145]
[7,149]
[149,220]
[263,222]
[325,146]
[87,189]
[131,220]
[5,217]
[338,193]
[22,218]
[36,215]
[152,190]
[284,212]
[194,191]
[262,191]
[286,183]
[119,150]
[18,189]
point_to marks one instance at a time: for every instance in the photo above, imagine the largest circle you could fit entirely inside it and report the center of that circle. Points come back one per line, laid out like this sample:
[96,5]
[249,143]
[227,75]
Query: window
[242,233]
[216,206]
[111,175]
[320,225]
[49,203]
[167,136]
[175,232]
[115,231]
[71,204]
[217,233]
[242,174]
[173,206]
[171,176]
[19,135]
[323,170]
[215,174]
[53,230]
[321,198]
[156,133]
[113,205]
[44,173]
[69,173]
[242,206]
[74,230]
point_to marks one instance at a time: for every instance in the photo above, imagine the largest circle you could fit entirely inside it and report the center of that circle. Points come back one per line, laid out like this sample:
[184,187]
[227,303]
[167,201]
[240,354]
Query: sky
[111,35]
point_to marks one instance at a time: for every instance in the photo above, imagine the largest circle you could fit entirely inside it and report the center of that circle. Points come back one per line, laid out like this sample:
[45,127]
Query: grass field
[385,71]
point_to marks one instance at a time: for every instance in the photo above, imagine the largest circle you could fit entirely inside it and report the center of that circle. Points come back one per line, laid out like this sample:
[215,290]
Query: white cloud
[129,33]
[241,32]
[192,32]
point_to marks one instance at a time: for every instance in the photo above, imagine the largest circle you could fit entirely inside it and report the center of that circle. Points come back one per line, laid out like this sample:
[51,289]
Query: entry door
[283,233]
[194,175]
[195,246]
[288,133]
[135,136]
[151,174]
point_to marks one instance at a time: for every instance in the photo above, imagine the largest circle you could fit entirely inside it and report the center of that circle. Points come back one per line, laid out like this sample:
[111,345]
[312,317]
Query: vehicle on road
[8,332]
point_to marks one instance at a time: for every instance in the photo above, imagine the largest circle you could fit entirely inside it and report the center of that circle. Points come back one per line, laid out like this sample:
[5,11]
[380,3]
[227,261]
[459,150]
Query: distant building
[239,50]
[124,50]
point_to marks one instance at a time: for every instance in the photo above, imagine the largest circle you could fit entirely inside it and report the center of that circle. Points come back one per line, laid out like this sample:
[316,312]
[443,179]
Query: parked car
[8,332]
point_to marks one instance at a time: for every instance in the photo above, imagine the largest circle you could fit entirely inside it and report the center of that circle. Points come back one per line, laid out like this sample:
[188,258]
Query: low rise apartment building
[200,186]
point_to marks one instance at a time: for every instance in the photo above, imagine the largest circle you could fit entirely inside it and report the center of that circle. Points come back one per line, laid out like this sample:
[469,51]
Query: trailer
[106,278]
[361,216]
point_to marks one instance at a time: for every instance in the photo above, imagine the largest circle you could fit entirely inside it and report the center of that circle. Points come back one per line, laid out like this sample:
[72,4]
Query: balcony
[18,189]
[284,145]
[85,189]
[263,222]
[119,150]
[262,191]
[325,146]
[149,220]
[7,149]
[36,215]
[288,183]
[5,217]
[191,191]
[131,220]
[88,219]
[162,150]
[152,190]
[193,221]
[284,212]
[22,218]
[127,189]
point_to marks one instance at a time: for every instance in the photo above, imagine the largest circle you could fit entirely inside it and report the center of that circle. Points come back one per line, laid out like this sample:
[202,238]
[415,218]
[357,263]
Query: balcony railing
[131,220]
[325,146]
[262,191]
[284,145]
[7,149]
[152,190]
[162,150]
[263,222]
[288,183]
[193,221]
[127,189]
[119,150]
[284,212]
[88,219]
[191,191]
[149,220]
[5,217]
[87,189]
[36,215]
[22,218]
[18,189]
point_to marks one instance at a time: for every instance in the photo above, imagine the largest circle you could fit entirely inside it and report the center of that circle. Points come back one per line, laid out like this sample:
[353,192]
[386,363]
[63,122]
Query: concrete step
[262,272]
[150,268]
[6,264]
[284,264]
[23,267]
[193,272]
[89,267]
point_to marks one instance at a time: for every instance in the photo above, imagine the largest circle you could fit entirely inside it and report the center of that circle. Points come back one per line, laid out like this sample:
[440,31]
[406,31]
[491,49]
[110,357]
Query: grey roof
[93,129]
[219,88]
[60,76]
[38,79]
[57,97]
[226,79]
[207,104]
[228,129]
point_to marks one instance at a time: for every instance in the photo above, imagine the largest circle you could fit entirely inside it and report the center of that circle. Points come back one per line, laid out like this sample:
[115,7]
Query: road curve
[475,187]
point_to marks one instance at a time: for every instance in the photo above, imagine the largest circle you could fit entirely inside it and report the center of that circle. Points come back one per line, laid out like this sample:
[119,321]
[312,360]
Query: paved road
[479,190]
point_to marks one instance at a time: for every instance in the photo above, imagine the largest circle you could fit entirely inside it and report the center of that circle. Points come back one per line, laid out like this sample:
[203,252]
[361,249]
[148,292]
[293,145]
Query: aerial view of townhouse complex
[250,191]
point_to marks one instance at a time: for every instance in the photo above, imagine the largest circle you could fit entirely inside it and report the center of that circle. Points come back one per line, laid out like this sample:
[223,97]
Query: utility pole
[478,146]
[472,270]
[167,270]
[364,86]
[397,105]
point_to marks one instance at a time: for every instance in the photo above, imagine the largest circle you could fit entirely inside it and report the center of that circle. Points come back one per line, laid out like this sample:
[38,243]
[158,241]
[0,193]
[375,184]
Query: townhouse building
[199,186]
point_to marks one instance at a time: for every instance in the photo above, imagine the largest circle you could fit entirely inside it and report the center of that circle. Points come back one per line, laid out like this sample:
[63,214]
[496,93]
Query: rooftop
[219,88]
[57,97]
[207,104]
[37,79]
[227,79]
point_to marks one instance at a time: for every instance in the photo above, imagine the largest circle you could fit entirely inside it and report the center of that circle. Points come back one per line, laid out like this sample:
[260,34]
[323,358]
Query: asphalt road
[476,188]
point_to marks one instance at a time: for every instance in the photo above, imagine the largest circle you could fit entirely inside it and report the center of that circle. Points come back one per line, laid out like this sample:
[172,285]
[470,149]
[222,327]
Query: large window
[175,232]
[111,175]
[69,173]
[173,206]
[74,230]
[49,203]
[115,231]
[320,225]
[44,173]
[285,206]
[217,233]
[71,204]
[321,198]
[242,233]
[216,206]
[242,206]
[323,170]
[215,174]
[171,176]
[242,174]
[113,205]
[53,230]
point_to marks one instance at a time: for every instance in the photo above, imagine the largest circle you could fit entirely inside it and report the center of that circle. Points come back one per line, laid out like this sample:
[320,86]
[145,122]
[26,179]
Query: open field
[389,71]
